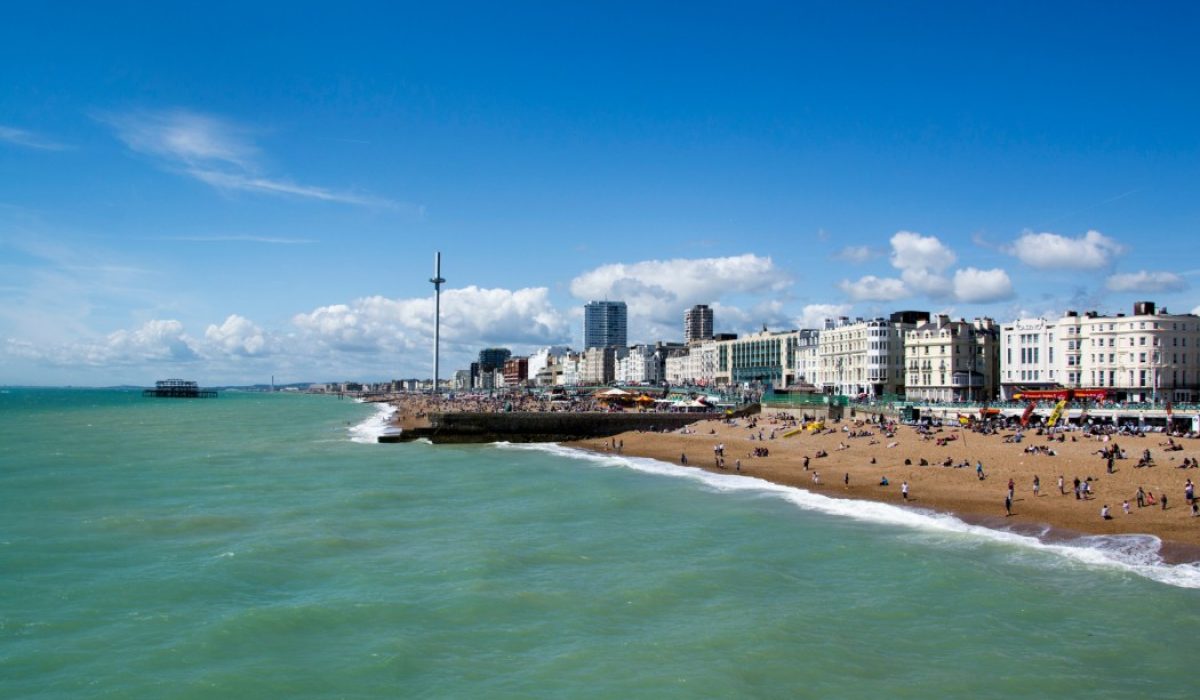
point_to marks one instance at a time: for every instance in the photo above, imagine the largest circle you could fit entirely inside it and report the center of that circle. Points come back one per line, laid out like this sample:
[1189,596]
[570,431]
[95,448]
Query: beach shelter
[643,399]
[613,393]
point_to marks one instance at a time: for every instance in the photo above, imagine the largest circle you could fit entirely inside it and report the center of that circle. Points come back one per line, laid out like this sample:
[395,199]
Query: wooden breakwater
[466,427]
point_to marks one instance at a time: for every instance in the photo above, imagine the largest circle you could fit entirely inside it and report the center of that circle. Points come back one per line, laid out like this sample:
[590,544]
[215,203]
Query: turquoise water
[248,547]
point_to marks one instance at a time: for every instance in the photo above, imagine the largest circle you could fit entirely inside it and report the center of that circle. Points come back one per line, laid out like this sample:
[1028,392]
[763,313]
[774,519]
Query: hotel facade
[1145,356]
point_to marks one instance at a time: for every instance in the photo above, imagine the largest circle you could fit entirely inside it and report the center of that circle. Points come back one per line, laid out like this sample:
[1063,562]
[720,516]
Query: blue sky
[223,193]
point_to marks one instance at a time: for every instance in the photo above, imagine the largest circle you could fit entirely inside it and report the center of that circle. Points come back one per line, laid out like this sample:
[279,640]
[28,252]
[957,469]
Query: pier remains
[179,389]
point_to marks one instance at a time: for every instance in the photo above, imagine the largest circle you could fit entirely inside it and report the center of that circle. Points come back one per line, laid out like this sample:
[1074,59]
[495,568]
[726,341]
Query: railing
[775,400]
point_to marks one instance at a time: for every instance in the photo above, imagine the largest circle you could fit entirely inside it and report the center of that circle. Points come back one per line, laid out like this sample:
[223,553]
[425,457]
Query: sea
[265,546]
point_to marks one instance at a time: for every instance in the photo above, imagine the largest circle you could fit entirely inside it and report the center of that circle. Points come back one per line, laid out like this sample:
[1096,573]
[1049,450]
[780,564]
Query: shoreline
[1049,517]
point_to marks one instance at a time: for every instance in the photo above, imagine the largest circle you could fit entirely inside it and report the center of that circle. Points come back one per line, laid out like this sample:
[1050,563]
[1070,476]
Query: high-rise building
[492,359]
[697,323]
[605,324]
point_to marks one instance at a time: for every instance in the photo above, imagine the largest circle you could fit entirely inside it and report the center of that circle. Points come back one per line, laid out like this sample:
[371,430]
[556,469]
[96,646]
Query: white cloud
[1091,251]
[976,286]
[252,183]
[872,288]
[156,341]
[470,316]
[921,261]
[238,336]
[216,152]
[856,254]
[912,251]
[28,139]
[1196,310]
[814,315]
[1144,281]
[274,240]
[186,137]
[658,291]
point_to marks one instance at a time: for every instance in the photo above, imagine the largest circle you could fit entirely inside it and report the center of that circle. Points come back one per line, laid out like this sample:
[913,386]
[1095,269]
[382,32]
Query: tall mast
[437,315]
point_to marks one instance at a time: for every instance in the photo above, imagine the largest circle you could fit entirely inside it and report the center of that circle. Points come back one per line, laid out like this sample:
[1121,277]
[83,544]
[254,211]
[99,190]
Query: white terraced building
[952,360]
[1149,355]
[865,357]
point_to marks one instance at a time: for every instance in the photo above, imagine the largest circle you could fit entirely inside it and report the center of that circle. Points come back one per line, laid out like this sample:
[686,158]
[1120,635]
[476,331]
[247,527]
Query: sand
[952,489]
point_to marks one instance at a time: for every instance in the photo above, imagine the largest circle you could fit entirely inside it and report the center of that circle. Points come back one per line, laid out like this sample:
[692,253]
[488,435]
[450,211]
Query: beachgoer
[1164,500]
[1125,506]
[683,458]
[1061,490]
[817,477]
[979,469]
[1037,485]
[1104,514]
[1140,498]
[904,490]
[1007,506]
[846,479]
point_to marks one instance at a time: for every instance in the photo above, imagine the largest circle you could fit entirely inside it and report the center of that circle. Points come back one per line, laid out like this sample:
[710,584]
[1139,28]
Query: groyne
[471,427]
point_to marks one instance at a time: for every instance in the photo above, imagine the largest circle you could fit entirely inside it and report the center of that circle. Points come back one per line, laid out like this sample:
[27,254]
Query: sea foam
[1137,554]
[377,424]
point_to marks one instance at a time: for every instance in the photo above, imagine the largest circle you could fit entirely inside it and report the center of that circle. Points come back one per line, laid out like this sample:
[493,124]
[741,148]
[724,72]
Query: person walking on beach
[904,490]
[1189,492]
[1011,486]
[1037,485]
[683,458]
[1141,497]
[979,469]
[1125,506]
[1062,491]
[846,479]
[737,465]
[1104,514]
[1008,505]
[1164,500]
[805,462]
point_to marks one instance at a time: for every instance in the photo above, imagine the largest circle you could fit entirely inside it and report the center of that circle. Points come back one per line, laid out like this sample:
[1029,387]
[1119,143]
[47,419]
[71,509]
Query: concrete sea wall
[541,427]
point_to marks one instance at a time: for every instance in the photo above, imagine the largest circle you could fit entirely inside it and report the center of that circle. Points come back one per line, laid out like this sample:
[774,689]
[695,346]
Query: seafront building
[1027,359]
[865,358]
[605,324]
[598,366]
[1150,355]
[516,371]
[697,324]
[952,360]
[766,359]
[806,357]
